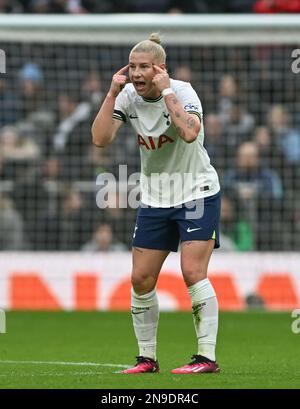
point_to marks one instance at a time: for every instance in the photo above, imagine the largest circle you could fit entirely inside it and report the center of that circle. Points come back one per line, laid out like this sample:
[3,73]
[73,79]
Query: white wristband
[166,92]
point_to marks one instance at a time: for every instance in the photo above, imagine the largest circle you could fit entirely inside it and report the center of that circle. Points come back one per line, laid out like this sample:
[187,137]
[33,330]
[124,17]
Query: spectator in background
[286,138]
[251,179]
[39,6]
[269,154]
[70,141]
[10,6]
[228,92]
[287,141]
[239,124]
[103,240]
[11,226]
[277,6]
[272,157]
[117,215]
[57,6]
[106,6]
[91,89]
[238,6]
[234,226]
[76,7]
[206,6]
[183,73]
[31,91]
[147,6]
[215,141]
[31,198]
[73,225]
[70,114]
[15,150]
[40,126]
[97,162]
[38,198]
[51,169]
[192,6]
[260,191]
[8,105]
[128,6]
[15,146]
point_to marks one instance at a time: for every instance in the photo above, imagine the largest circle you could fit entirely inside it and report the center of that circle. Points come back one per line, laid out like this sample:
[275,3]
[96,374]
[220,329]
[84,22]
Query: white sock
[205,317]
[145,315]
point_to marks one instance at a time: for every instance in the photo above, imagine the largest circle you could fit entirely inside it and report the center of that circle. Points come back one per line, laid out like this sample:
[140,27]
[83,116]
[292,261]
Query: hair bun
[155,37]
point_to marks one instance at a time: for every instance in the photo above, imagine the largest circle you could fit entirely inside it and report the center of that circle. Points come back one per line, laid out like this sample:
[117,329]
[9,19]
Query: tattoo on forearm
[174,100]
[190,123]
[177,114]
[180,131]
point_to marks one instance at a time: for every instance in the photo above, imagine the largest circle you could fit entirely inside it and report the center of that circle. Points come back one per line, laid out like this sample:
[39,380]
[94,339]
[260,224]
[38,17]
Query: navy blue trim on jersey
[119,115]
[153,100]
[164,228]
[195,113]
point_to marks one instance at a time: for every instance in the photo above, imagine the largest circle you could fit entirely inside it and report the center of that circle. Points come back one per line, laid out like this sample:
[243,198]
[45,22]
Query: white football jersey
[172,171]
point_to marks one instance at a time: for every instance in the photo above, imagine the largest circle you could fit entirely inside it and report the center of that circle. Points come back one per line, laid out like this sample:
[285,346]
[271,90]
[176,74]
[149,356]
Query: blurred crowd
[149,6]
[48,166]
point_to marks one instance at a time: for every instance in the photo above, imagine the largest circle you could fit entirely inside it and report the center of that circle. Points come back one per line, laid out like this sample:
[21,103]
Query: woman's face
[141,73]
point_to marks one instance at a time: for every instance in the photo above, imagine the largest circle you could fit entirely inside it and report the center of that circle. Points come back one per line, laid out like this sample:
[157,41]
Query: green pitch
[87,349]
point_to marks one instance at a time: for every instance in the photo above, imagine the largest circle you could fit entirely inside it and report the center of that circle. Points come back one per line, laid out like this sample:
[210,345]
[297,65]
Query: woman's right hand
[118,82]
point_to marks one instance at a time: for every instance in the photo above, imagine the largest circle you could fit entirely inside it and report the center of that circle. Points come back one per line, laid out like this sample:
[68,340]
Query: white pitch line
[63,363]
[90,373]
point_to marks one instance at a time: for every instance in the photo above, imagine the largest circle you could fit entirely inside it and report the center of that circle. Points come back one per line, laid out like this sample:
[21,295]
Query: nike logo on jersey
[131,116]
[189,230]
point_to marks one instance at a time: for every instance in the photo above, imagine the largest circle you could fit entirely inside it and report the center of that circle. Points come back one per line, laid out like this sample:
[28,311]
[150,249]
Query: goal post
[130,28]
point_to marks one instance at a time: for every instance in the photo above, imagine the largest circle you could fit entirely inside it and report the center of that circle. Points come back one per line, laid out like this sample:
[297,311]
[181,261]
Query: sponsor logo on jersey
[191,107]
[151,143]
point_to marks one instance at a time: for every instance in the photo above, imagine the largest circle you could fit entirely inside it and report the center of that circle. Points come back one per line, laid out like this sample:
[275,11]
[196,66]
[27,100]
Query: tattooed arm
[187,125]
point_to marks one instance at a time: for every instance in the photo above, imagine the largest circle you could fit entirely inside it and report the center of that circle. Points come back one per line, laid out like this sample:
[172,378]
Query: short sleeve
[120,110]
[189,99]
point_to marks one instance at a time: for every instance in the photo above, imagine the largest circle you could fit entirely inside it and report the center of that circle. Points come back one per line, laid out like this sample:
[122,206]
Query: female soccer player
[167,117]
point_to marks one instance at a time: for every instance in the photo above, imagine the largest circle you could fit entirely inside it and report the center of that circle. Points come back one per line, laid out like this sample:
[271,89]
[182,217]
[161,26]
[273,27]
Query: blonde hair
[152,45]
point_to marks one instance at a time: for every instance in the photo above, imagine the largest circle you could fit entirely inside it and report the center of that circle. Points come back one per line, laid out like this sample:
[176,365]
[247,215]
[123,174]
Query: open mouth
[139,85]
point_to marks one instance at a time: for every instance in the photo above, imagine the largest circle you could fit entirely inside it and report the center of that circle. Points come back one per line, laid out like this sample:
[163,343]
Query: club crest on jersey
[151,143]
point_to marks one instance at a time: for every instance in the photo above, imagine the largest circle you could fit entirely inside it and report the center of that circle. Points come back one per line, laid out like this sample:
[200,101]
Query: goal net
[55,71]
